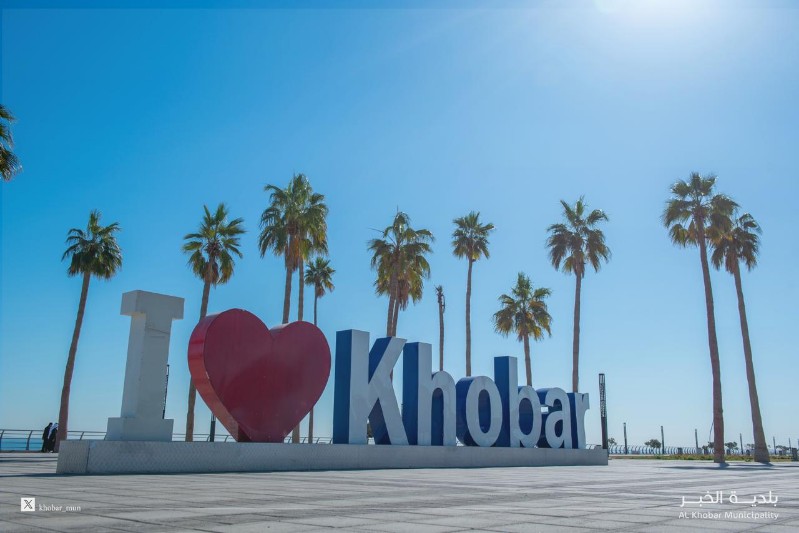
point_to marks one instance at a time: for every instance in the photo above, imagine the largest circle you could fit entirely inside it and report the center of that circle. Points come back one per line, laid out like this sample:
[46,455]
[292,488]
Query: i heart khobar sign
[260,384]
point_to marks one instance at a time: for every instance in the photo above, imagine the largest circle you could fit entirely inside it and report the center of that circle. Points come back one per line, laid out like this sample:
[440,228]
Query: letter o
[470,431]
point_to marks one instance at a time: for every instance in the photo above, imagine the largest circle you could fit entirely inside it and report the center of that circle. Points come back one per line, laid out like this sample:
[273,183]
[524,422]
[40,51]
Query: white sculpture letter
[145,373]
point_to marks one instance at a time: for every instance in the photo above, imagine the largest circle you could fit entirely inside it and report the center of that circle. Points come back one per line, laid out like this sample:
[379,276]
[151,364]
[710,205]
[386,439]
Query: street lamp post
[603,411]
[625,439]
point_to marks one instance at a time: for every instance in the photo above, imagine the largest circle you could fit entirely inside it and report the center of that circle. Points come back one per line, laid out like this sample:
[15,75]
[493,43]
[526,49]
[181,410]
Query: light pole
[696,438]
[166,388]
[625,439]
[662,442]
[603,411]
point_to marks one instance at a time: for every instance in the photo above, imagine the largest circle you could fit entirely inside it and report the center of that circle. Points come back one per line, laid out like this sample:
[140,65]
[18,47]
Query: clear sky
[149,114]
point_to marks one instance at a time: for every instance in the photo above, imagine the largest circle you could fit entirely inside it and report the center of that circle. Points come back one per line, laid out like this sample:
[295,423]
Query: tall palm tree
[293,225]
[524,312]
[737,241]
[91,252]
[320,276]
[9,164]
[692,208]
[211,252]
[442,304]
[399,258]
[470,240]
[575,243]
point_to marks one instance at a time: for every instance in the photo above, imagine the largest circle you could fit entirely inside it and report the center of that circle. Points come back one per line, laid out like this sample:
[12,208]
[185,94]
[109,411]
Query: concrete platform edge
[139,457]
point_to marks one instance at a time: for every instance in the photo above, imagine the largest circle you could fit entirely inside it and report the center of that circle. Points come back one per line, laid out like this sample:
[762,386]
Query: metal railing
[619,449]
[30,440]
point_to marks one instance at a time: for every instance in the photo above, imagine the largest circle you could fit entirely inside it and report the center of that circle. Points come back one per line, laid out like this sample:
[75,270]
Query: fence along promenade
[29,440]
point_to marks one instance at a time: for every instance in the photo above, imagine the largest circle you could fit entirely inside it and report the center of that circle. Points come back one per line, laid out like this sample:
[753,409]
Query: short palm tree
[319,276]
[399,258]
[91,252]
[9,164]
[293,225]
[470,240]
[442,305]
[692,208]
[524,312]
[211,252]
[575,243]
[737,241]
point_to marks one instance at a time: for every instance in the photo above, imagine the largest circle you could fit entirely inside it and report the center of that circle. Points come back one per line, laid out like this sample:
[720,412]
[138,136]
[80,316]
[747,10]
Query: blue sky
[149,114]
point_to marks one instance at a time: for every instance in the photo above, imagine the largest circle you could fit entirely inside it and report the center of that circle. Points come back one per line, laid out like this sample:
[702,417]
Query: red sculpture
[259,383]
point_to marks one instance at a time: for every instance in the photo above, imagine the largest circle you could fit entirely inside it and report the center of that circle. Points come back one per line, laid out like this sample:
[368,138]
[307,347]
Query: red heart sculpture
[258,383]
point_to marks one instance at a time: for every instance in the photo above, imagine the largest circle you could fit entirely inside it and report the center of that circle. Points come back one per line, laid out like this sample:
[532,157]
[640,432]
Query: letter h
[428,409]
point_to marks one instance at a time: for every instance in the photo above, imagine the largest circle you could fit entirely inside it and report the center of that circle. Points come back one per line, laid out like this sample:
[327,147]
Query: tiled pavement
[627,495]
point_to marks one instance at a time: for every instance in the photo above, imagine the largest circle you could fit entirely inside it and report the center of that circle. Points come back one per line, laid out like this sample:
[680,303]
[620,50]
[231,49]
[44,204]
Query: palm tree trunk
[295,433]
[440,336]
[310,416]
[300,289]
[718,411]
[192,389]
[576,340]
[761,450]
[468,320]
[396,317]
[287,295]
[310,427]
[527,363]
[63,413]
[390,318]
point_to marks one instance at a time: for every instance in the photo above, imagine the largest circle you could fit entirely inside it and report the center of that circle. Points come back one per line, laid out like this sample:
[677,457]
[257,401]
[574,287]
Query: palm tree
[442,304]
[735,241]
[91,252]
[575,243]
[524,312]
[320,276]
[399,258]
[211,252]
[470,240]
[293,226]
[693,207]
[9,164]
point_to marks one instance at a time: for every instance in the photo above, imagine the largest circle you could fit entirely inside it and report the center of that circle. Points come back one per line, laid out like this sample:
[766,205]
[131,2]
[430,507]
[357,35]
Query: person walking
[45,436]
[51,438]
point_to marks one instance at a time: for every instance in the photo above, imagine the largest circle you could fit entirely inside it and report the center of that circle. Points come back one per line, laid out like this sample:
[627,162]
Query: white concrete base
[119,457]
[145,429]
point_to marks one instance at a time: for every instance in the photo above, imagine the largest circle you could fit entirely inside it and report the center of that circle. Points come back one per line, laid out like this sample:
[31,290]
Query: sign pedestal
[106,457]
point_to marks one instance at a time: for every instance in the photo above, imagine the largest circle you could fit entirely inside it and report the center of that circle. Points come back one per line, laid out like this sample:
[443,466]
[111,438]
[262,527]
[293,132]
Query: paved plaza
[627,495]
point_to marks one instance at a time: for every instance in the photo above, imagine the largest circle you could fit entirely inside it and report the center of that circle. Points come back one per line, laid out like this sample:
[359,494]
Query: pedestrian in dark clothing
[51,438]
[45,436]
